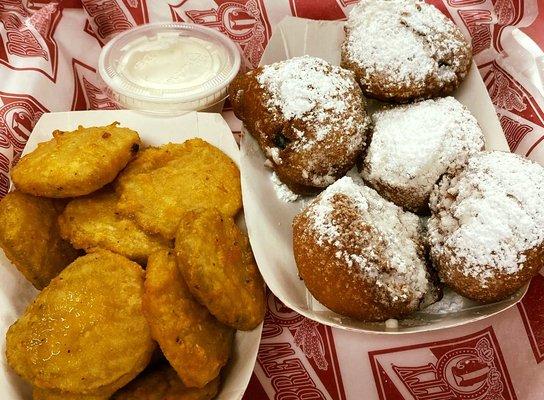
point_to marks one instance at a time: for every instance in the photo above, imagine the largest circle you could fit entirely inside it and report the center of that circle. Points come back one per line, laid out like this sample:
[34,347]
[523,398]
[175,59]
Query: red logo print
[109,17]
[509,95]
[328,9]
[466,368]
[514,131]
[504,90]
[18,114]
[26,38]
[530,309]
[4,172]
[307,370]
[243,21]
[505,11]
[87,95]
[478,24]
[464,3]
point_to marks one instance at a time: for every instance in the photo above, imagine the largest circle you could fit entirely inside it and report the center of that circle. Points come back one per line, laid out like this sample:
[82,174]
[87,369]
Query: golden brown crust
[76,163]
[194,342]
[85,332]
[486,226]
[418,30]
[329,281]
[91,223]
[495,289]
[216,261]
[158,191]
[45,394]
[352,272]
[163,383]
[375,87]
[304,169]
[30,238]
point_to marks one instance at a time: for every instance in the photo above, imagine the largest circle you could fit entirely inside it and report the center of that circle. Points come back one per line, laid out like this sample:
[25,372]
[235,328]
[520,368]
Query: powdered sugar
[413,145]
[282,191]
[451,302]
[303,85]
[313,91]
[405,275]
[489,214]
[406,41]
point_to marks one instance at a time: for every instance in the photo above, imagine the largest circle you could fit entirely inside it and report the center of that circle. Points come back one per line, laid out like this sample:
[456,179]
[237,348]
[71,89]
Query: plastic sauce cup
[169,68]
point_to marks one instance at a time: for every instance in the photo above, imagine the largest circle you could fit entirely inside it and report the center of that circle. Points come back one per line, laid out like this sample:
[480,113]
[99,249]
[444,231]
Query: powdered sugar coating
[451,302]
[486,216]
[402,275]
[301,86]
[319,101]
[282,191]
[406,43]
[413,145]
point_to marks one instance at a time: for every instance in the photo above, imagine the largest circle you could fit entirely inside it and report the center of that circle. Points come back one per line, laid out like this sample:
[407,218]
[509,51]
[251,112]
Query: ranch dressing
[171,61]
[169,68]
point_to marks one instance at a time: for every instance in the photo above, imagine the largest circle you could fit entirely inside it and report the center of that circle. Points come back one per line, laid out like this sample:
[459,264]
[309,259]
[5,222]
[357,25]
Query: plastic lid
[169,63]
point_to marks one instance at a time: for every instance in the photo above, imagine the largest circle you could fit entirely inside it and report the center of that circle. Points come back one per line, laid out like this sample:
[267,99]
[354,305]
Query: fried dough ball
[402,50]
[92,222]
[360,255]
[84,333]
[487,226]
[414,145]
[76,163]
[203,176]
[217,263]
[45,394]
[193,341]
[30,237]
[308,116]
[163,383]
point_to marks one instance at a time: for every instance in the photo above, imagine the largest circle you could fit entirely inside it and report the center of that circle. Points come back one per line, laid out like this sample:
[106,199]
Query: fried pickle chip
[151,158]
[85,332]
[92,222]
[192,340]
[163,383]
[202,177]
[45,394]
[76,163]
[217,263]
[30,238]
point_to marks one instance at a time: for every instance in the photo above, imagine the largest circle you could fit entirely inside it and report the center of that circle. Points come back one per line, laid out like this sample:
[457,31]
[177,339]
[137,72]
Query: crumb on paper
[451,302]
[392,323]
[282,191]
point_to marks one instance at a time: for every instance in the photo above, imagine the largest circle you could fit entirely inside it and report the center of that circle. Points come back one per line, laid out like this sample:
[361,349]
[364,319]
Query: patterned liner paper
[48,57]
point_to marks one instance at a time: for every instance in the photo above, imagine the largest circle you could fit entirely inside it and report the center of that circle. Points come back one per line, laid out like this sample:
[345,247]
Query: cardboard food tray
[269,218]
[16,292]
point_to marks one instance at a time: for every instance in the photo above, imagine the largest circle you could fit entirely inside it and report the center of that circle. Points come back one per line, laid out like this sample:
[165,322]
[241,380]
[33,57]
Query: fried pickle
[85,332]
[91,222]
[30,238]
[151,158]
[193,341]
[217,263]
[76,163]
[202,177]
[45,394]
[163,383]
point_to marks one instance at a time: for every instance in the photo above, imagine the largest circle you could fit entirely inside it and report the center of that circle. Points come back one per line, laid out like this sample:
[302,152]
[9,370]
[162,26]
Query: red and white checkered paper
[48,59]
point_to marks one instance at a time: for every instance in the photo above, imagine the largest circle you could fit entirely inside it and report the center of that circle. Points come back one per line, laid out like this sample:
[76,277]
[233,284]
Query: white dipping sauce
[169,68]
[171,61]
